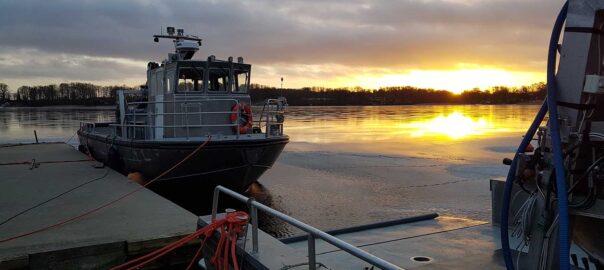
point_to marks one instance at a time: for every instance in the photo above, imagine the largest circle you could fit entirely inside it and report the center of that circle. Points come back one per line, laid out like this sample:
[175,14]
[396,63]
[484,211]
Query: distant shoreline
[63,107]
[85,94]
[111,107]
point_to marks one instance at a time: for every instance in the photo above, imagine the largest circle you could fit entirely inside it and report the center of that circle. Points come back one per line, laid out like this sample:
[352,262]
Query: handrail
[312,231]
[173,126]
[184,115]
[139,121]
[183,101]
[272,109]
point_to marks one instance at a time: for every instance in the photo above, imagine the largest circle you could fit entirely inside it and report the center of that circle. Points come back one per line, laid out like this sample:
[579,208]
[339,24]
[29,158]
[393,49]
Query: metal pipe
[312,255]
[187,118]
[364,227]
[254,214]
[215,203]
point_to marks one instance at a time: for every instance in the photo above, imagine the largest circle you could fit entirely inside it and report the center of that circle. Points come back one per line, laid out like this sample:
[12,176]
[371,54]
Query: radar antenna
[185,45]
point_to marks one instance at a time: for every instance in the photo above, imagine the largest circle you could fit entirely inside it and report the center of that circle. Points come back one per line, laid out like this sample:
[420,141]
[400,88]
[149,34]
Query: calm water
[374,126]
[17,125]
[354,165]
[450,132]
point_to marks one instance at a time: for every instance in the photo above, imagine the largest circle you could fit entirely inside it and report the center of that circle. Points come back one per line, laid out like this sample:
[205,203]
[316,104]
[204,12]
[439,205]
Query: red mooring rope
[231,227]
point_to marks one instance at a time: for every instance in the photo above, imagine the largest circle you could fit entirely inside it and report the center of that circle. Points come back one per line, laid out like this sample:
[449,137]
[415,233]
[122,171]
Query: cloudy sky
[454,44]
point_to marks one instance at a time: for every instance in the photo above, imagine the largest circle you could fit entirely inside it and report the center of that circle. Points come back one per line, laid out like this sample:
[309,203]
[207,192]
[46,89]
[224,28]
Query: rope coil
[231,227]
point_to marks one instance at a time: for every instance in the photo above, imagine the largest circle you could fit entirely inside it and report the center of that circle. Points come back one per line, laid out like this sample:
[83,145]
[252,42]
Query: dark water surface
[353,165]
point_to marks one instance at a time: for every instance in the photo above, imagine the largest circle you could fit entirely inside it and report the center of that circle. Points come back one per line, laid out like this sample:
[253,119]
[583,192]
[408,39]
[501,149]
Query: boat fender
[137,177]
[246,114]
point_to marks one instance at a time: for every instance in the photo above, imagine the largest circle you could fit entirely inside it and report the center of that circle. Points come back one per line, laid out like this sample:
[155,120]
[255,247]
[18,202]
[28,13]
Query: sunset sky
[452,45]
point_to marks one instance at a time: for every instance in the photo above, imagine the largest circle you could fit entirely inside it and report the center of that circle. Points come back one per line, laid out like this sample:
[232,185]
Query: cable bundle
[231,226]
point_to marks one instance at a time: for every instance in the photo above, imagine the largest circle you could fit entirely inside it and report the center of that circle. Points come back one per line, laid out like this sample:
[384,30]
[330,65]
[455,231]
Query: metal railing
[311,231]
[130,121]
[143,124]
[138,122]
[91,126]
[273,112]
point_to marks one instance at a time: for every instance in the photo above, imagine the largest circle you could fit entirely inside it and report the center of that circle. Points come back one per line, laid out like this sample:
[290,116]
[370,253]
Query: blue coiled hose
[551,104]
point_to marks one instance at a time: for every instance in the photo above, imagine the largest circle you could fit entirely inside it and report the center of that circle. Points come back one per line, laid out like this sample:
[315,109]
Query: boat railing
[312,232]
[273,114]
[92,126]
[132,128]
[143,124]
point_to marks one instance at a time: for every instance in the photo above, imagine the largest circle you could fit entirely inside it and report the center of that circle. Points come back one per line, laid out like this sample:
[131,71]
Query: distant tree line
[75,93]
[400,95]
[88,94]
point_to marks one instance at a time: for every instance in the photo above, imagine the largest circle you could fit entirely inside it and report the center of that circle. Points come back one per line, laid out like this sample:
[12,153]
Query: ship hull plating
[231,163]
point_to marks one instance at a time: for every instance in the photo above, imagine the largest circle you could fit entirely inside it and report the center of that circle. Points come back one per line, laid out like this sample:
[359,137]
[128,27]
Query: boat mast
[185,45]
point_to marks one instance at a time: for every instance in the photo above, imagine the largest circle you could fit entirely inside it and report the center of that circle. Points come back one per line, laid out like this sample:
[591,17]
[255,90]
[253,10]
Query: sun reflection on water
[453,126]
[411,125]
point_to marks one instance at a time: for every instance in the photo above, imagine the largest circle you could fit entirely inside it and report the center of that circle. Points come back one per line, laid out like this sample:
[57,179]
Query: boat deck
[133,226]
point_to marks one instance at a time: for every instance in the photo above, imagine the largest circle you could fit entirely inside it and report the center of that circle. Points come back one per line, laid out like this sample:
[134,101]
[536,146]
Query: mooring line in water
[68,140]
[111,202]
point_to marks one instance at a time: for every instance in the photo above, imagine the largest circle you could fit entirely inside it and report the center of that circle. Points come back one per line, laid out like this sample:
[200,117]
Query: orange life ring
[246,114]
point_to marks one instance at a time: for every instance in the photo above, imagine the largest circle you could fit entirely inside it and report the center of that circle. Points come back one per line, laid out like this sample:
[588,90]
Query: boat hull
[231,163]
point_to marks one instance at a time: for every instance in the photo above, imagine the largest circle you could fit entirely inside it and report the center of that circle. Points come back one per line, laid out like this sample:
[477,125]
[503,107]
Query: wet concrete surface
[42,207]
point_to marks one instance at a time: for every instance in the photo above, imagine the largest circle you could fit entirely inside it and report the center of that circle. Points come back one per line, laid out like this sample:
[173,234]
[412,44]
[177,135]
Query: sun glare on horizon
[455,81]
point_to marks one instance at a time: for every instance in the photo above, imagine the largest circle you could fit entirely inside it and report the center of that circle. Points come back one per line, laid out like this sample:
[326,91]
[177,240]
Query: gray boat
[186,103]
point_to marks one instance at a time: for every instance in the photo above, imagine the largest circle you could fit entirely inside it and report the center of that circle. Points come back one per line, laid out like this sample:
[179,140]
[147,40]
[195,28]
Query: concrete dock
[131,227]
[442,243]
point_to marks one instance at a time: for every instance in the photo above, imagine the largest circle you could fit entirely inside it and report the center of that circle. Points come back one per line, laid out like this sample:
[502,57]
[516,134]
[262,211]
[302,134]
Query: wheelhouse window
[218,79]
[242,81]
[190,80]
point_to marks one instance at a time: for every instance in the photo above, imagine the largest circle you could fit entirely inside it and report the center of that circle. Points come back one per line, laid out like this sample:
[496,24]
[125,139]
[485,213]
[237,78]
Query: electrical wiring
[522,224]
[544,249]
[586,173]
